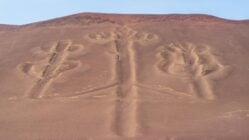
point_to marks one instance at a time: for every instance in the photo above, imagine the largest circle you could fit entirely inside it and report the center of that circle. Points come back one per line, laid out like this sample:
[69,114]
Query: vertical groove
[50,71]
[125,123]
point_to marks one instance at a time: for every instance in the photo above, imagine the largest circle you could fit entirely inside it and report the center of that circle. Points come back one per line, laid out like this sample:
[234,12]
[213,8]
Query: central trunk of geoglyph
[125,122]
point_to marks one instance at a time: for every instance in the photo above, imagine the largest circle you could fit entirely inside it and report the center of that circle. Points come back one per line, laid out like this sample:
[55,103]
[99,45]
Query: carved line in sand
[55,64]
[122,44]
[194,63]
[144,38]
[126,121]
[124,118]
[101,37]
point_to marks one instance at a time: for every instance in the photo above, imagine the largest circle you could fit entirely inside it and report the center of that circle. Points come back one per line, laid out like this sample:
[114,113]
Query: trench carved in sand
[194,63]
[53,66]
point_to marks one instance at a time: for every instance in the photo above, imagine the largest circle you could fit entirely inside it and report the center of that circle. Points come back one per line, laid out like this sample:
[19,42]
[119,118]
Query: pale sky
[28,11]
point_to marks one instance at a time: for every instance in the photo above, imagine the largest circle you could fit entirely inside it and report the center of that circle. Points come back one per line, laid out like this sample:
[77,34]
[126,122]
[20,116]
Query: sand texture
[125,77]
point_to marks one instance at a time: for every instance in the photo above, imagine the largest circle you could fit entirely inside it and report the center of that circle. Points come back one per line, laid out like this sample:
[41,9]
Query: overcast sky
[28,11]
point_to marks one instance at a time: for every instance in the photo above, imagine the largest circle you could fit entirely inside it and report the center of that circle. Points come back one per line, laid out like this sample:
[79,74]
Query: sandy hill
[102,76]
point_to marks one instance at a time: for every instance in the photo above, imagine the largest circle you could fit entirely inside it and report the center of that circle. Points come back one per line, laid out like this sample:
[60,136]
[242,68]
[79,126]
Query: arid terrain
[125,77]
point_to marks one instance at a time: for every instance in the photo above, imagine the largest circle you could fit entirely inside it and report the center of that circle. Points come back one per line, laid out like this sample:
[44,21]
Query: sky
[27,11]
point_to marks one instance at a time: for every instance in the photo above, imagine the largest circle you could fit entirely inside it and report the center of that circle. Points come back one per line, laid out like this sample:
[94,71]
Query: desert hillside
[127,77]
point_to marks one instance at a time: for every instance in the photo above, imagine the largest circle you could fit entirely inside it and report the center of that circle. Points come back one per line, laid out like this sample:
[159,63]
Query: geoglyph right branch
[194,63]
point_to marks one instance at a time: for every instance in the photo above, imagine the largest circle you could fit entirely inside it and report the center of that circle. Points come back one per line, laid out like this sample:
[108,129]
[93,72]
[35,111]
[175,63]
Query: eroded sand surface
[97,76]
